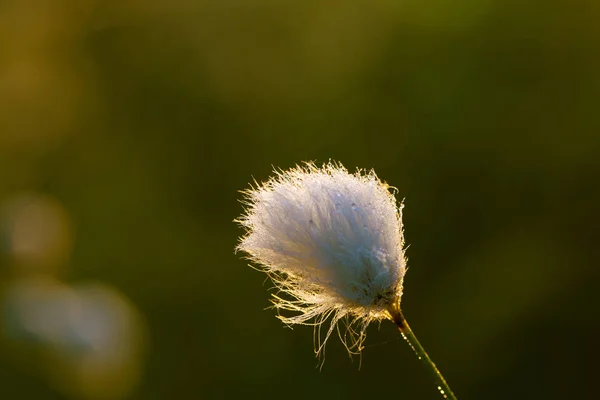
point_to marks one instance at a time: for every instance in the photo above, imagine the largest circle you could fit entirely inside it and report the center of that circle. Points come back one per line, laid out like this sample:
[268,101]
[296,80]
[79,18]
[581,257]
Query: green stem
[410,337]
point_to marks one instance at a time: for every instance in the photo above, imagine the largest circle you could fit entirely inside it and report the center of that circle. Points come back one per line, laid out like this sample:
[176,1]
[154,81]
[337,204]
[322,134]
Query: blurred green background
[128,127]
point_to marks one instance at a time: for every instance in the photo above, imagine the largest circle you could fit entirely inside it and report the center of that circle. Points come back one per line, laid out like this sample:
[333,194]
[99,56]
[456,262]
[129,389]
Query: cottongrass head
[332,243]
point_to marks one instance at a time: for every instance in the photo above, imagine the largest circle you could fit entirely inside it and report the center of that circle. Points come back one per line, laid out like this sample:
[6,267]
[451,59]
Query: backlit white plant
[332,242]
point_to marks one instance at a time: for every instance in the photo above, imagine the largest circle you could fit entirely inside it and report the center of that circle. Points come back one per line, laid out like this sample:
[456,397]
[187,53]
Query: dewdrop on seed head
[332,243]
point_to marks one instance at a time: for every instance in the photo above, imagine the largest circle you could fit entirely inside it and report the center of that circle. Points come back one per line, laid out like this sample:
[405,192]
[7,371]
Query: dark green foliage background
[149,117]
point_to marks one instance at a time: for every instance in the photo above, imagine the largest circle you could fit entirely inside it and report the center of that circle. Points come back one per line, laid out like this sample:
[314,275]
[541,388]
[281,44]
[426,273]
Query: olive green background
[145,119]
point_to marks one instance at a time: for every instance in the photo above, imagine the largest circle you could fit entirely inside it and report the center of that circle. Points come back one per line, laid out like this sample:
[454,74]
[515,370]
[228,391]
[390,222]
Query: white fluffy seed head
[332,243]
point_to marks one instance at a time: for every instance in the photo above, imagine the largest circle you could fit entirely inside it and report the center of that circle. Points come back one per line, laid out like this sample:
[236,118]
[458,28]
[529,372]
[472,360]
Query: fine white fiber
[332,242]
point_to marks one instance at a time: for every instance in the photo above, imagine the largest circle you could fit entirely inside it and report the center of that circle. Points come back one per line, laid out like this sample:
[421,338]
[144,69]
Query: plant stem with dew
[410,337]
